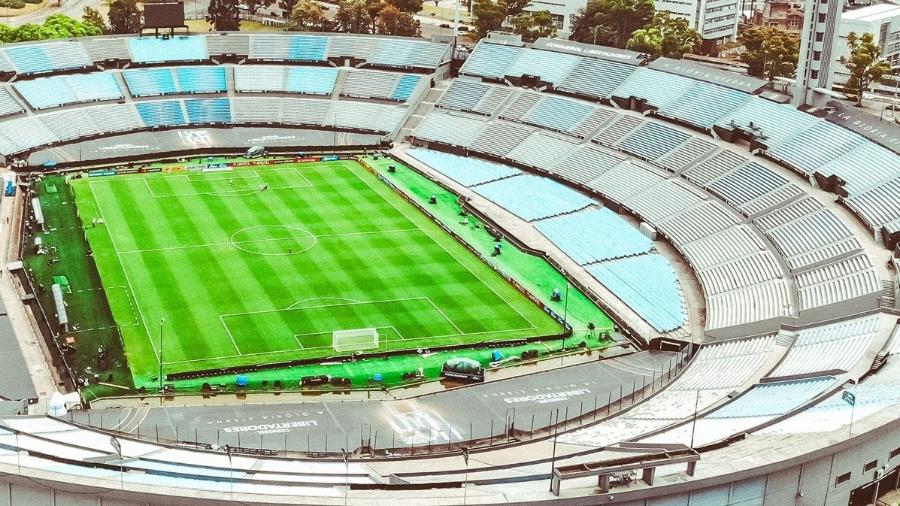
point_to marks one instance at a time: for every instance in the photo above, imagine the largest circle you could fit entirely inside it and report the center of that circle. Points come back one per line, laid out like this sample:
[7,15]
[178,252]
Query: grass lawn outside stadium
[243,276]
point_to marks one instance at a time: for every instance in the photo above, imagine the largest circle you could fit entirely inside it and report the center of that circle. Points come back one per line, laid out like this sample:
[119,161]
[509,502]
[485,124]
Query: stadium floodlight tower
[354,340]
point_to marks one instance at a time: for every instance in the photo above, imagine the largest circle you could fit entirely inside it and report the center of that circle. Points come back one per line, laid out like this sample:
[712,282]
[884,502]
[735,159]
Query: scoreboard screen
[163,14]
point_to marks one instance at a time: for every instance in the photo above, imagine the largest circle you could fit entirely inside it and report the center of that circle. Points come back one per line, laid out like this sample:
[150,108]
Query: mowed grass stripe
[160,282]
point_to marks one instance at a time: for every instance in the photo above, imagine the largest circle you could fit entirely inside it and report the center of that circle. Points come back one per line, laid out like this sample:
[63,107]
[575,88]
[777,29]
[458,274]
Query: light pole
[346,456]
[118,447]
[465,452]
[161,322]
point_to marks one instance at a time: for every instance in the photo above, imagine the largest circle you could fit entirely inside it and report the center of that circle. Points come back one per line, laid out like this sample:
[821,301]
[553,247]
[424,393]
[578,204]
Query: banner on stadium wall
[884,133]
[127,170]
[102,172]
[150,169]
[708,74]
[604,53]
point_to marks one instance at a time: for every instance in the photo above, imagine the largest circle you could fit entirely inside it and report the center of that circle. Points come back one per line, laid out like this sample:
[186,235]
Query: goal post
[354,340]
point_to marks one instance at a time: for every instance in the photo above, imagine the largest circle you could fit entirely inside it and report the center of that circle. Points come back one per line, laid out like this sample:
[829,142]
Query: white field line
[124,272]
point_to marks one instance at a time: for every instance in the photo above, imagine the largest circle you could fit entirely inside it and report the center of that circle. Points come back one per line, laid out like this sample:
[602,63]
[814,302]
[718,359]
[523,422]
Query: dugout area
[250,269]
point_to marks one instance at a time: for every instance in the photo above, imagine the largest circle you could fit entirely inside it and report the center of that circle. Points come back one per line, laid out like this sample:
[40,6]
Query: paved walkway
[33,347]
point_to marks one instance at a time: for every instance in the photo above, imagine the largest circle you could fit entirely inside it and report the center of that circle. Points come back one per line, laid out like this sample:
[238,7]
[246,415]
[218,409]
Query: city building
[821,21]
[786,15]
[715,20]
[882,21]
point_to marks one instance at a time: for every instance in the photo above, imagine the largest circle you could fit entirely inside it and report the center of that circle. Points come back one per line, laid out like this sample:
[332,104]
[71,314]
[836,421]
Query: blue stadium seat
[150,82]
[153,50]
[774,399]
[405,87]
[311,80]
[464,170]
[208,110]
[490,60]
[648,285]
[533,197]
[593,236]
[558,113]
[161,113]
[201,79]
[307,48]
[44,93]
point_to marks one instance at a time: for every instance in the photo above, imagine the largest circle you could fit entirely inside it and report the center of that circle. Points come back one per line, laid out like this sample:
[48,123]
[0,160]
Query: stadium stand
[712,375]
[382,85]
[658,89]
[450,129]
[648,285]
[150,82]
[47,57]
[540,150]
[462,169]
[595,78]
[703,104]
[533,197]
[760,405]
[687,155]
[161,113]
[815,146]
[228,44]
[270,47]
[157,50]
[877,206]
[175,81]
[769,122]
[271,78]
[201,79]
[408,53]
[549,66]
[464,95]
[866,166]
[652,141]
[490,60]
[500,138]
[9,106]
[831,347]
[208,110]
[586,163]
[584,236]
[102,49]
[557,113]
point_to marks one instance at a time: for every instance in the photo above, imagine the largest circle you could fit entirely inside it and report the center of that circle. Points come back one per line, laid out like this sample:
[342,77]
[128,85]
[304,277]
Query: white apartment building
[882,21]
[715,20]
[818,41]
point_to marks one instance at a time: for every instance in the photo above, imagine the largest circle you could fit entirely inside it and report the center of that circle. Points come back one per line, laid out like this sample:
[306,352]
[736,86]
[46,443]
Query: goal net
[354,340]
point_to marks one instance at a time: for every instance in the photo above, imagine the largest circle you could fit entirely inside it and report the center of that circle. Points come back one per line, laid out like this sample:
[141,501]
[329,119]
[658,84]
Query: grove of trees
[56,26]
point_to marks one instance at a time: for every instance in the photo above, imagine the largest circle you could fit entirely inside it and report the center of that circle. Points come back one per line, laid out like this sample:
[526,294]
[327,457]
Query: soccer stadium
[284,268]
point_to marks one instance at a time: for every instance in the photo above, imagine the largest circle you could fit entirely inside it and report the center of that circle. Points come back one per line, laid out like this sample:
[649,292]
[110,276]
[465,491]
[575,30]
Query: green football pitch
[210,270]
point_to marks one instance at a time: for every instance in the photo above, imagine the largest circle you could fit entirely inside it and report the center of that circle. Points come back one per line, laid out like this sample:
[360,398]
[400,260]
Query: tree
[124,16]
[60,26]
[253,6]
[353,17]
[611,22]
[409,6]
[665,36]
[516,7]
[287,7]
[94,18]
[864,64]
[224,15]
[769,52]
[489,16]
[533,25]
[392,21]
[307,16]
